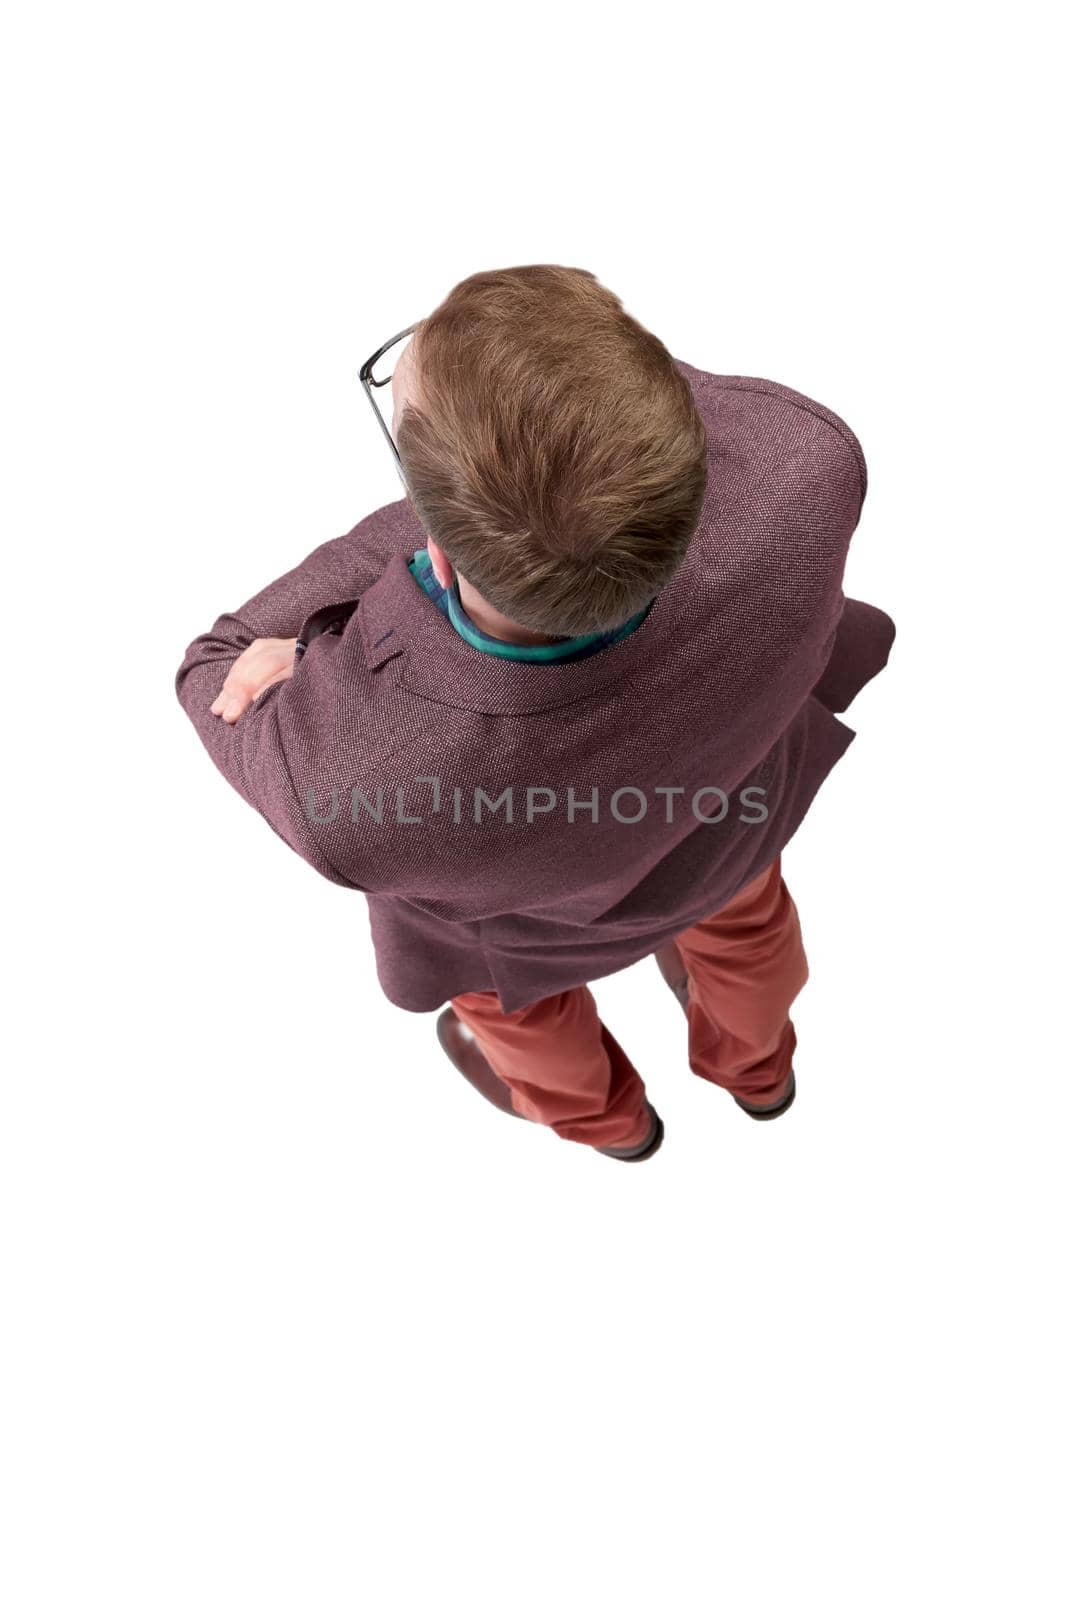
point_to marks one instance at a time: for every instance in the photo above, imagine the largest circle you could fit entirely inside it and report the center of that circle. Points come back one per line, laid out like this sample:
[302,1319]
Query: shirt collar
[447,600]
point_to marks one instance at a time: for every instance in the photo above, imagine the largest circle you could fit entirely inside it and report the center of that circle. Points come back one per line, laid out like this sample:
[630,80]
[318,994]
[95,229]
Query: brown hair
[552,448]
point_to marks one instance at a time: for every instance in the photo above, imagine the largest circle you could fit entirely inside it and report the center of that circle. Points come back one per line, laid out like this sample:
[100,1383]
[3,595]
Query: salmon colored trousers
[746,966]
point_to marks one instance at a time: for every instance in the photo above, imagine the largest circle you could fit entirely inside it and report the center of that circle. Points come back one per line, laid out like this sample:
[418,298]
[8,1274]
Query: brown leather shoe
[646,1148]
[672,967]
[765,1113]
[465,1054]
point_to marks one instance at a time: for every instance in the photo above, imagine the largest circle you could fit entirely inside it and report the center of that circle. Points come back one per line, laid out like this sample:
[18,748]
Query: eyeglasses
[372,381]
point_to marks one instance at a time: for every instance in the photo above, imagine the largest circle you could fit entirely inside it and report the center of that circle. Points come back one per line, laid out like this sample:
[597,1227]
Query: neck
[494,622]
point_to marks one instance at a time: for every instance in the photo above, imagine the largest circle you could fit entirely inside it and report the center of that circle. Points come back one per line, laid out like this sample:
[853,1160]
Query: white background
[289,1311]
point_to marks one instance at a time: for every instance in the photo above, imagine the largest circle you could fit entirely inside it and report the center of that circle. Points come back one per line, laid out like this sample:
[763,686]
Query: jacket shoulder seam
[810,407]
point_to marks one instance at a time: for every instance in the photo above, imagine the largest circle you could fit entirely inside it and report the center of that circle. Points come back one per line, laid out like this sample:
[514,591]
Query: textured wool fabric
[392,724]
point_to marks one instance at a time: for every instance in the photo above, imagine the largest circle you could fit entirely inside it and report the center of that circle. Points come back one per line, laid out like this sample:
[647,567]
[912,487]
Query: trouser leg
[746,966]
[563,1066]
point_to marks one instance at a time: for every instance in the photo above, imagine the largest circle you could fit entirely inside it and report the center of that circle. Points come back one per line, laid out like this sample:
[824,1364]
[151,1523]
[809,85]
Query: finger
[236,703]
[231,685]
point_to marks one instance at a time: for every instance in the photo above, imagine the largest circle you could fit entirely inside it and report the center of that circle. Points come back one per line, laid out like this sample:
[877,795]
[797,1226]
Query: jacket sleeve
[863,636]
[257,753]
[860,650]
[341,569]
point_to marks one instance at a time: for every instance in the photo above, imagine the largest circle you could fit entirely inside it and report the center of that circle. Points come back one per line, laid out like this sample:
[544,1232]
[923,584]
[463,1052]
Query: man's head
[554,451]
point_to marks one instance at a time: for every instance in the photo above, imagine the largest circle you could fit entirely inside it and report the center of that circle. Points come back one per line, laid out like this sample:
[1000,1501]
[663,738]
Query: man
[562,705]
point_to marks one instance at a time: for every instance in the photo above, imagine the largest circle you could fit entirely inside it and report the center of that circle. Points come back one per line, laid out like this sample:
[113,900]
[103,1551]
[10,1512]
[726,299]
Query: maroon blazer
[526,827]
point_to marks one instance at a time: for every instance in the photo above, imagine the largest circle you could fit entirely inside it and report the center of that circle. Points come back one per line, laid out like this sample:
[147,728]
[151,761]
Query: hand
[266,661]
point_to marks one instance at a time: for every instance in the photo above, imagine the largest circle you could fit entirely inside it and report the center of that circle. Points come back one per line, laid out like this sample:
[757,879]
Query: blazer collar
[397,618]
